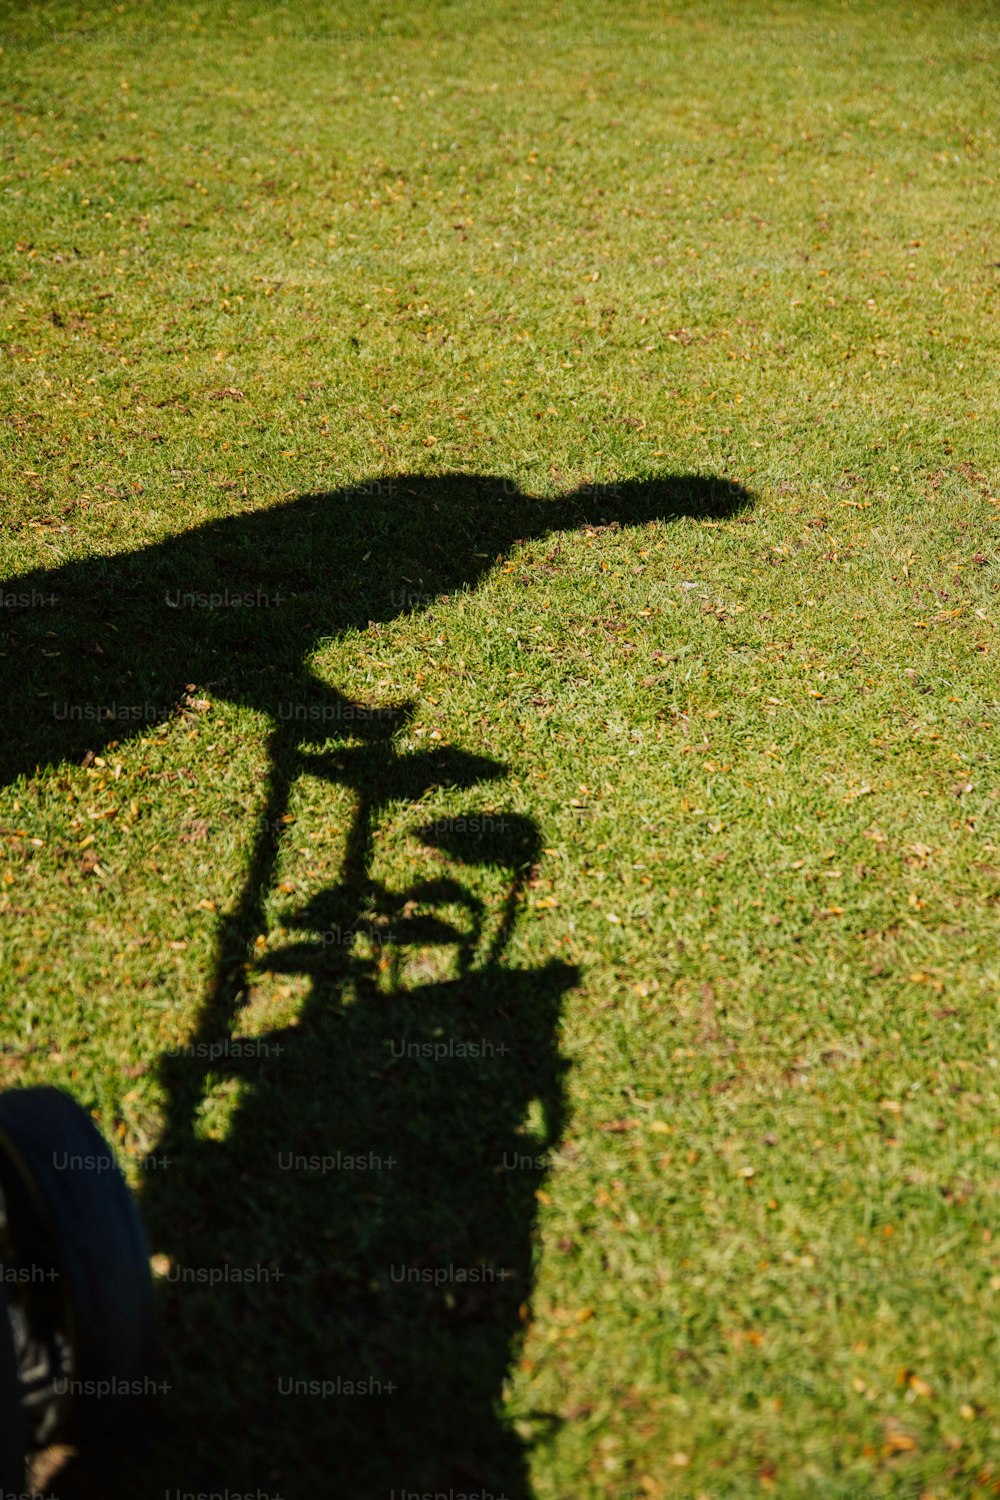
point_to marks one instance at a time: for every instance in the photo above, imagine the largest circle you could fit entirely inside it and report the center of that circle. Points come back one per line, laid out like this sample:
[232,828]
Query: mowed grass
[256,252]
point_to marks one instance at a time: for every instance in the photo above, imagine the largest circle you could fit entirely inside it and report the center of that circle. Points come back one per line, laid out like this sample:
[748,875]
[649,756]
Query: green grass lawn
[610,392]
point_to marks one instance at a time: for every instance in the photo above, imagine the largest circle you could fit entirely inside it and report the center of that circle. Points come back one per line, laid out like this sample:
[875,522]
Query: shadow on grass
[351,1266]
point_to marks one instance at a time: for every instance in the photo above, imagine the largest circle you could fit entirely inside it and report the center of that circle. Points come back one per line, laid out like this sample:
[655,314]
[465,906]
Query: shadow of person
[98,649]
[350,1267]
